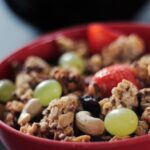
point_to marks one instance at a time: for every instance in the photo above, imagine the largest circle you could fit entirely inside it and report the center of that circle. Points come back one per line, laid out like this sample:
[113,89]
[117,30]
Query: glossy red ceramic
[46,48]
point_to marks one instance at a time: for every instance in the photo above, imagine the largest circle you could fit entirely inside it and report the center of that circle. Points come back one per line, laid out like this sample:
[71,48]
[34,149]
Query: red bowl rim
[51,35]
[129,141]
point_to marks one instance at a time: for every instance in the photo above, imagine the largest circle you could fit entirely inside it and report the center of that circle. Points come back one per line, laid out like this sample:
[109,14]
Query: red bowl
[46,48]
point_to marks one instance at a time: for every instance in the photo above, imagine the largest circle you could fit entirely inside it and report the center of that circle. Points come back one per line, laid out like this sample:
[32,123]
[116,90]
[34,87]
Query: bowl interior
[46,48]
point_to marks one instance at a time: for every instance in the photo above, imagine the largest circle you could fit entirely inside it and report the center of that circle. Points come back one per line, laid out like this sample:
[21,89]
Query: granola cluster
[67,45]
[60,115]
[142,128]
[58,118]
[144,97]
[124,49]
[33,72]
[146,115]
[94,63]
[71,81]
[124,95]
[141,68]
[12,108]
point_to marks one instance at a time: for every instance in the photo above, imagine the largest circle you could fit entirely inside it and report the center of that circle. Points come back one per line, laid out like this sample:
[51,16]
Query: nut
[88,124]
[31,109]
[82,138]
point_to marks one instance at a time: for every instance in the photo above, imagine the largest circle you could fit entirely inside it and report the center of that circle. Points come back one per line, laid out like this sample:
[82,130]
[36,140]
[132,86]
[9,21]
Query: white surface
[14,32]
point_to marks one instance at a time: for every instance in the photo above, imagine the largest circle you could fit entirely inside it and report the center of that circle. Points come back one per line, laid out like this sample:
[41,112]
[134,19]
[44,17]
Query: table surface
[15,32]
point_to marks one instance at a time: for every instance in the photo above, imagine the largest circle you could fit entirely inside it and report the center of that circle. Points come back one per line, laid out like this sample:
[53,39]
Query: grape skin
[47,90]
[6,90]
[121,122]
[72,61]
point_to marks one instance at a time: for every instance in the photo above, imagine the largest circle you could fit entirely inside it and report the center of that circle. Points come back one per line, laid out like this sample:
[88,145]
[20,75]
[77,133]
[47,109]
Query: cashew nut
[88,124]
[30,110]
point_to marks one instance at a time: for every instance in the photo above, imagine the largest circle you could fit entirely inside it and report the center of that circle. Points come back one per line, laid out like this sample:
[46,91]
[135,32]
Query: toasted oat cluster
[82,97]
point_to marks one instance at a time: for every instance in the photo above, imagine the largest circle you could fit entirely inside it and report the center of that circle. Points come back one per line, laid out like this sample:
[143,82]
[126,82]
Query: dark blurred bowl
[50,14]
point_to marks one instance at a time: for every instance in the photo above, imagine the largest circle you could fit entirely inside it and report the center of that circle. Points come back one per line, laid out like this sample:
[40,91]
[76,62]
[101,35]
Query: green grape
[71,60]
[6,89]
[47,90]
[121,122]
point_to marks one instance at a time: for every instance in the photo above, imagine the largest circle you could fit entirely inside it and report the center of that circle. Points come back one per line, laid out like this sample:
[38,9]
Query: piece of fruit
[90,104]
[6,90]
[109,77]
[47,90]
[71,60]
[99,36]
[121,122]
